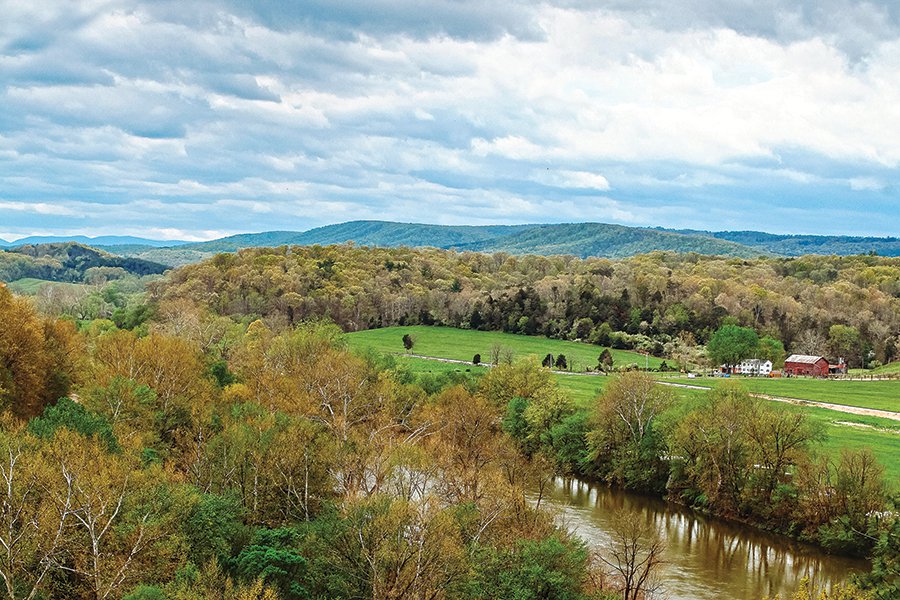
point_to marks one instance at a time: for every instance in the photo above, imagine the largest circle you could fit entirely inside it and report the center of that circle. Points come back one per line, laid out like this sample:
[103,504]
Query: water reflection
[705,558]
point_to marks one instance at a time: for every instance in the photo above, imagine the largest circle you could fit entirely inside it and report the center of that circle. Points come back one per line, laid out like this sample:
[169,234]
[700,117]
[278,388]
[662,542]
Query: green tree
[531,570]
[561,363]
[771,349]
[408,341]
[845,342]
[272,558]
[730,344]
[625,444]
[74,417]
[605,360]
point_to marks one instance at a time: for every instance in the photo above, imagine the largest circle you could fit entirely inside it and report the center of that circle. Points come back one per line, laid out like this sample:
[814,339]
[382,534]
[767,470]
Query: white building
[754,366]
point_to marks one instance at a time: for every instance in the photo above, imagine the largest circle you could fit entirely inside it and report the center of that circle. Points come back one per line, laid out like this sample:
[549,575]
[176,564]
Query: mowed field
[880,395]
[30,286]
[840,430]
[463,344]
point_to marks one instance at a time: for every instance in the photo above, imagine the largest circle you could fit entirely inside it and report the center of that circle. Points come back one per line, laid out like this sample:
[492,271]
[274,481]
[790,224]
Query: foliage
[271,559]
[730,344]
[39,358]
[70,415]
[532,570]
[69,262]
[643,302]
[625,443]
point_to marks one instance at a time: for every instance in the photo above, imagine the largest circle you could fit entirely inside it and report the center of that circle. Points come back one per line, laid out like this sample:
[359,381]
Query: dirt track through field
[852,410]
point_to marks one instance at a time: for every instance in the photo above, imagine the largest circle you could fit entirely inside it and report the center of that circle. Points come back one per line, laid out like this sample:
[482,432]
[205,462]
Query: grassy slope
[30,286]
[460,344]
[893,367]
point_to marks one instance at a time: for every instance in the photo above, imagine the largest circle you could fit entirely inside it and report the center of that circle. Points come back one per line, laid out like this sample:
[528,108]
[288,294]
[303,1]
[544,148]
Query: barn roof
[803,359]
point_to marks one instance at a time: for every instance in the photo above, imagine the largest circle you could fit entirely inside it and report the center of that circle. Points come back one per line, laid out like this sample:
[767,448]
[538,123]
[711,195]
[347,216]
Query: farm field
[880,395]
[463,344]
[30,286]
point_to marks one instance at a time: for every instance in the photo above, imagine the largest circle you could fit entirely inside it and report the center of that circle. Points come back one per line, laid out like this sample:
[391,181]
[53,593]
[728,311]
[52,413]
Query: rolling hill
[579,239]
[798,245]
[602,239]
[67,262]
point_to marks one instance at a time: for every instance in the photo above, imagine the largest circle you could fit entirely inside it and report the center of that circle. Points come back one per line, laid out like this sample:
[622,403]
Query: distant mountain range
[579,239]
[103,240]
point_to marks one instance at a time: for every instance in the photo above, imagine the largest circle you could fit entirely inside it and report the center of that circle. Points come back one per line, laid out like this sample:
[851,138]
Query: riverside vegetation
[216,443]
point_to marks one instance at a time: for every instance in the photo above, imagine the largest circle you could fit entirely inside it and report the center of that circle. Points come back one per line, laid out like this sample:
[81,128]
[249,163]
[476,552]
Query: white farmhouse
[754,366]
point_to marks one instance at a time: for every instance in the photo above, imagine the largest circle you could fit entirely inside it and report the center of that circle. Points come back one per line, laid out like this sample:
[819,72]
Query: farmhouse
[754,366]
[804,364]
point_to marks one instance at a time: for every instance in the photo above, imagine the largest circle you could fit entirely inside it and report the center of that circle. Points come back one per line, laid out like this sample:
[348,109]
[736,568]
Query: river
[706,558]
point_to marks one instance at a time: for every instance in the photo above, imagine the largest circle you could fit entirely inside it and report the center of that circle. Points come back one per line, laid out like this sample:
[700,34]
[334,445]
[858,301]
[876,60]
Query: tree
[531,570]
[36,357]
[810,342]
[408,341]
[845,342]
[272,559]
[476,360]
[547,362]
[716,449]
[561,362]
[581,329]
[730,344]
[771,349]
[605,360]
[635,556]
[624,443]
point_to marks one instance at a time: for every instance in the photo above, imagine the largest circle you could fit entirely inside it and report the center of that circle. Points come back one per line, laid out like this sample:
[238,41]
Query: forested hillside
[604,240]
[798,245]
[69,262]
[662,303]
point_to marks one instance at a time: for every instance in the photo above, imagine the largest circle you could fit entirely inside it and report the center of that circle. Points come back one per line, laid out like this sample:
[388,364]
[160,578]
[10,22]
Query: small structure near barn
[804,364]
[839,369]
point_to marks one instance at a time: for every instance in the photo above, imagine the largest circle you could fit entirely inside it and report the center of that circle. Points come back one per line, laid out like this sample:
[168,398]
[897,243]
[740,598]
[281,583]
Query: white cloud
[256,118]
[39,208]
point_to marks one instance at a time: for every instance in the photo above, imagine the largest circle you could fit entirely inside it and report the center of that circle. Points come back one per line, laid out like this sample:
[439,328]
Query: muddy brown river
[705,557]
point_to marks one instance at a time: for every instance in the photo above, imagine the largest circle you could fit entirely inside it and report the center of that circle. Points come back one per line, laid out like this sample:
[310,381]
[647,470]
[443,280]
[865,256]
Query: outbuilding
[805,364]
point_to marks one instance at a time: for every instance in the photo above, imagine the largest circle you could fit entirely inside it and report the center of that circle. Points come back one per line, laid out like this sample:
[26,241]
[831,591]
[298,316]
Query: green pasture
[30,286]
[879,395]
[463,344]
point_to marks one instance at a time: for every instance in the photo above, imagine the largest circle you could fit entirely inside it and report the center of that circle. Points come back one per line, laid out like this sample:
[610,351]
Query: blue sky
[197,119]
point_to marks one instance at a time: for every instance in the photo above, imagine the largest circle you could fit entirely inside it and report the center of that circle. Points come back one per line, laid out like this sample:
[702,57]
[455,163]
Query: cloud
[38,208]
[218,115]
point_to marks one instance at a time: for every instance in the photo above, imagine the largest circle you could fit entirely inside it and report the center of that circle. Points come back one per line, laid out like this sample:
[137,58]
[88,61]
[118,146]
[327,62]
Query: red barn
[803,364]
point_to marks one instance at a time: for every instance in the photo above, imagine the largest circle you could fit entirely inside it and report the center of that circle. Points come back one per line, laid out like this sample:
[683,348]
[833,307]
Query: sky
[194,119]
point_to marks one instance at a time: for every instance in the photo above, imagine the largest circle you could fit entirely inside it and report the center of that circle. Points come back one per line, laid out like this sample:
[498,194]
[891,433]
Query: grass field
[462,344]
[30,286]
[880,395]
